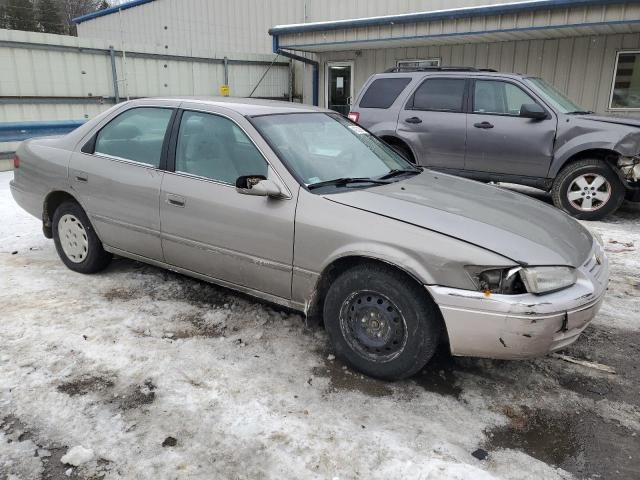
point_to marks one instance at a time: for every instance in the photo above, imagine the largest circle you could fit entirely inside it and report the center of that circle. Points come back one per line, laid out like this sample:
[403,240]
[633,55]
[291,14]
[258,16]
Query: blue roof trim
[449,14]
[302,47]
[18,131]
[110,10]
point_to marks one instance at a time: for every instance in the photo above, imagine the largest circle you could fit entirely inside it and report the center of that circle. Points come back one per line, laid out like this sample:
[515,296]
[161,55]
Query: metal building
[590,49]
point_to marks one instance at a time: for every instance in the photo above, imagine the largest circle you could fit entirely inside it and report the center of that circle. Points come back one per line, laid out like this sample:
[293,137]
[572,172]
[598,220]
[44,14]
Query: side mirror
[533,111]
[257,185]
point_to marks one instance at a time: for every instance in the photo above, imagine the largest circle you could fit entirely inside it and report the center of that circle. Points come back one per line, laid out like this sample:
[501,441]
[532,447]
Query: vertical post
[114,74]
[124,56]
[226,71]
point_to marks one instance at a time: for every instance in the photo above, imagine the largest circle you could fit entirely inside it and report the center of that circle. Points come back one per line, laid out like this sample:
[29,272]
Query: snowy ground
[155,375]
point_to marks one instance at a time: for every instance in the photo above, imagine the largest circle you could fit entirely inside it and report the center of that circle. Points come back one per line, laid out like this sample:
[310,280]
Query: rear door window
[137,135]
[383,92]
[439,94]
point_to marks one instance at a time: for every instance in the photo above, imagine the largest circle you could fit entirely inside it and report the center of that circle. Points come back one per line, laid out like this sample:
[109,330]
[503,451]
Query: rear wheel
[381,322]
[76,241]
[588,189]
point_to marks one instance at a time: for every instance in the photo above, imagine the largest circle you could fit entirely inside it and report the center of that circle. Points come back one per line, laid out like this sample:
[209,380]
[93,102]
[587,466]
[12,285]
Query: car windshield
[557,99]
[327,150]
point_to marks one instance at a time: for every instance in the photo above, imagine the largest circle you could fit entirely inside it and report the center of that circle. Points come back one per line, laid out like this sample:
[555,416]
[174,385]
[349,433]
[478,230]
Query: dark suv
[506,127]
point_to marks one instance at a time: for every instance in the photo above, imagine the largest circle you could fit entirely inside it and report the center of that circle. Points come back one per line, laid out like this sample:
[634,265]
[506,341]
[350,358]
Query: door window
[214,147]
[497,97]
[137,134]
[440,94]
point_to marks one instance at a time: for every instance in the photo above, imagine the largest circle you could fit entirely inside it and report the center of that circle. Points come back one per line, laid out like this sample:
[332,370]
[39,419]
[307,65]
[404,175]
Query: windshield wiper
[580,112]
[399,171]
[339,182]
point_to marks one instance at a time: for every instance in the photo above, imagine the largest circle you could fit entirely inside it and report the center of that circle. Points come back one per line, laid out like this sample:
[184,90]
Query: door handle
[81,176]
[413,120]
[483,125]
[176,200]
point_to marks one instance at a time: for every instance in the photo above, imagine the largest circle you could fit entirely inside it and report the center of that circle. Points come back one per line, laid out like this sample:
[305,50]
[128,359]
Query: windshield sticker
[358,130]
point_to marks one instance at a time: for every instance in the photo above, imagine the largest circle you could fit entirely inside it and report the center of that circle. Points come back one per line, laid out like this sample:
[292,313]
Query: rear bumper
[28,201]
[521,326]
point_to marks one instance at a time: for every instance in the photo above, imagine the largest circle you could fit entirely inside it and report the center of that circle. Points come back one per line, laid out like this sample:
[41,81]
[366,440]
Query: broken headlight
[516,280]
[504,281]
[548,279]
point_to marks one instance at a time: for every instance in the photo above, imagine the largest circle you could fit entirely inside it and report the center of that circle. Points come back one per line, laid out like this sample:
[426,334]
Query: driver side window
[497,97]
[214,147]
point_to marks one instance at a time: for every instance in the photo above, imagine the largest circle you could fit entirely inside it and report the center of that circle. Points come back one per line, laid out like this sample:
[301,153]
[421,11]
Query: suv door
[433,122]
[210,228]
[499,140]
[117,177]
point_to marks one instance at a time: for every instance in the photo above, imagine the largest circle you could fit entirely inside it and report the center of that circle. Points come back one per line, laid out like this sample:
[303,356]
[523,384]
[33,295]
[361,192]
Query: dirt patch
[439,375]
[341,378]
[201,327]
[136,396]
[85,385]
[566,439]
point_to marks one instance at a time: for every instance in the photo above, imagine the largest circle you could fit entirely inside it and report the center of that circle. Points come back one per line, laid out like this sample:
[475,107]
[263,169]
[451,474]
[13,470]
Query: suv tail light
[16,161]
[354,116]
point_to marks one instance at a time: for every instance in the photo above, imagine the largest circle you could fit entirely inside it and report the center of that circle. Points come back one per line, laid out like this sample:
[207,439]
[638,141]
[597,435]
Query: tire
[76,241]
[572,188]
[394,327]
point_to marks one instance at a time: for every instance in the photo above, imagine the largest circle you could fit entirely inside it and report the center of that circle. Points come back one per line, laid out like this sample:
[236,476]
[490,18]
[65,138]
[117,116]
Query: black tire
[565,184]
[398,303]
[92,257]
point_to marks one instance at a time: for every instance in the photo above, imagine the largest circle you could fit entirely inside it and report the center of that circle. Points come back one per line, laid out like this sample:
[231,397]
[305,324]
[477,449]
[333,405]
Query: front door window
[339,83]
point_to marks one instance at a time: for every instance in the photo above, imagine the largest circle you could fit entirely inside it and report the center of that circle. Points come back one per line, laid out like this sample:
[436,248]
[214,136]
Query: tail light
[354,116]
[16,161]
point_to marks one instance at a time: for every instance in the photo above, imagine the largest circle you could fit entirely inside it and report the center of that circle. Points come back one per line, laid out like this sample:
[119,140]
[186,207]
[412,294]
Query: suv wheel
[76,242]
[588,190]
[381,322]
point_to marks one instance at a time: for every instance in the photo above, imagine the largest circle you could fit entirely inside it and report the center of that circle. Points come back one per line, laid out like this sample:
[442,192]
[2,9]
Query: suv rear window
[383,92]
[440,94]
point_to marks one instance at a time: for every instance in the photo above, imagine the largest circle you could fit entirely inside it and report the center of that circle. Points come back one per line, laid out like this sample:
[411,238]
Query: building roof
[446,14]
[110,10]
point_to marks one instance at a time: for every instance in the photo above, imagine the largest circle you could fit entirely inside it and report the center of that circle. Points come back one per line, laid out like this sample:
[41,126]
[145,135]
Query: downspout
[315,67]
[114,74]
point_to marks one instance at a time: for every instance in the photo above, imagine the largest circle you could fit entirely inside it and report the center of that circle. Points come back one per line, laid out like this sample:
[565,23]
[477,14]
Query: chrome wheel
[373,326]
[73,238]
[589,192]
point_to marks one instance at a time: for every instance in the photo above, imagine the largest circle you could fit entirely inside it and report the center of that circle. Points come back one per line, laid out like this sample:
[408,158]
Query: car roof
[450,73]
[243,106]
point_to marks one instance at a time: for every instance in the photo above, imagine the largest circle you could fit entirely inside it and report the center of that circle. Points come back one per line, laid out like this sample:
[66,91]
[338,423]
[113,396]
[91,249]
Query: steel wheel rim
[589,192]
[73,238]
[373,326]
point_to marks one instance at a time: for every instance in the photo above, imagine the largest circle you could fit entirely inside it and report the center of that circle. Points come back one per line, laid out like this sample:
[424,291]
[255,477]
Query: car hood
[629,122]
[515,226]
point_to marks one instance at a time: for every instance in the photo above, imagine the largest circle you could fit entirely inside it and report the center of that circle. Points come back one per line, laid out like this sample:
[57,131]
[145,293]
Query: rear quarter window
[383,92]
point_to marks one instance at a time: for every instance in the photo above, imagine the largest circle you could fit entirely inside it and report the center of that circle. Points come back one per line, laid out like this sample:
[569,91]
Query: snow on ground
[162,376]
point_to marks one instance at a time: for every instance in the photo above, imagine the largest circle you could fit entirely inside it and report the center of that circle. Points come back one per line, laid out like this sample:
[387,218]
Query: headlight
[548,279]
[517,280]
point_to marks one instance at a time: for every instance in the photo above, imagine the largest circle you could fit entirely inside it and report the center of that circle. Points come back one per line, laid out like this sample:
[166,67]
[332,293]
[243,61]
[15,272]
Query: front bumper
[522,326]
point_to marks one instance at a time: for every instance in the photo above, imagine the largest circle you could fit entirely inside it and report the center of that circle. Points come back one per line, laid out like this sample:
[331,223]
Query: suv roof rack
[438,69]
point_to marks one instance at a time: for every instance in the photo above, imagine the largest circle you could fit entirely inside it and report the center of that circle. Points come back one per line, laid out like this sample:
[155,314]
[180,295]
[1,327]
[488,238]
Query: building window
[625,94]
[409,64]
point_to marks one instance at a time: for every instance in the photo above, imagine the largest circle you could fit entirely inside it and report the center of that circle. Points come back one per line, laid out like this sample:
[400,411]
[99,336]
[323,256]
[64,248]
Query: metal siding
[582,67]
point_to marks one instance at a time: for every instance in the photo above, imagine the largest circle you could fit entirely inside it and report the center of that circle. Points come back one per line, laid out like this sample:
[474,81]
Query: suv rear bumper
[521,326]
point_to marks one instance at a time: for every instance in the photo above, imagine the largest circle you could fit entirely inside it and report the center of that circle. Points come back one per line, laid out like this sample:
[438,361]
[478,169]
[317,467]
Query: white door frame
[341,63]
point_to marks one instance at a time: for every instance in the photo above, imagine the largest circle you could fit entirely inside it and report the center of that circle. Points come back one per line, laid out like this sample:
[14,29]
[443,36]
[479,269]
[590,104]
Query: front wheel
[381,322]
[76,242]
[588,190]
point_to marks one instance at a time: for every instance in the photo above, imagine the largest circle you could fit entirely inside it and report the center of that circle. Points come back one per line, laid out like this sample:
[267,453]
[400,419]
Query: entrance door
[339,86]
